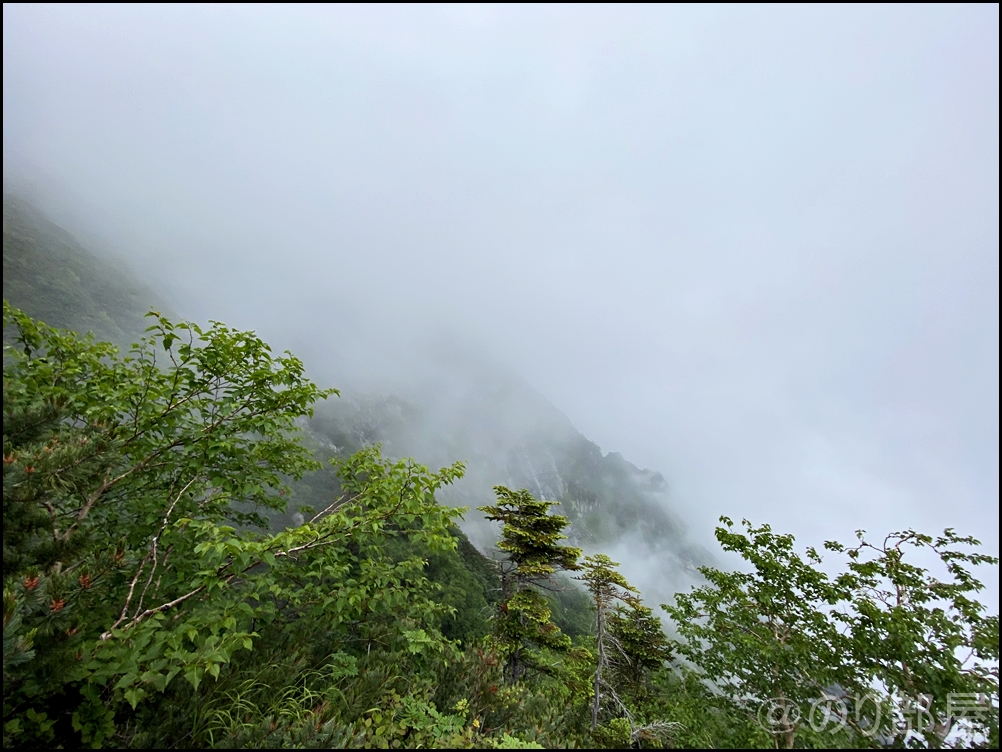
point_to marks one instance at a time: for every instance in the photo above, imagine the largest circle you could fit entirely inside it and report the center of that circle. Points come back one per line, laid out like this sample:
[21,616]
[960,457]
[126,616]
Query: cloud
[755,248]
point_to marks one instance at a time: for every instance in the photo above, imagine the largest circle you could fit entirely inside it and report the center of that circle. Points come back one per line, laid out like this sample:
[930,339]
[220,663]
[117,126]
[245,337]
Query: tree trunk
[597,701]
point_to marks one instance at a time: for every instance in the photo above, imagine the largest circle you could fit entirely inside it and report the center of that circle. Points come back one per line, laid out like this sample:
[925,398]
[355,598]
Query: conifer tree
[640,641]
[530,538]
[45,458]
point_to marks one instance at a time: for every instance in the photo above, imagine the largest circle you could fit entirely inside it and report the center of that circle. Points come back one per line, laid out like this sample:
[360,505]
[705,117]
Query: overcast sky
[755,248]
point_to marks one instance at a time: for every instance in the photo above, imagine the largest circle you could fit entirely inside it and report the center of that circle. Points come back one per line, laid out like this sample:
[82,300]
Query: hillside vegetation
[48,274]
[194,557]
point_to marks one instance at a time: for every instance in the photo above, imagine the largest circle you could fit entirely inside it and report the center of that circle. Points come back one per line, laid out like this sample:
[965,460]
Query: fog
[753,248]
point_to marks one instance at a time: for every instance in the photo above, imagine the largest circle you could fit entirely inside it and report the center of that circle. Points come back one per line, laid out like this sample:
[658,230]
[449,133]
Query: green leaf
[194,675]
[134,695]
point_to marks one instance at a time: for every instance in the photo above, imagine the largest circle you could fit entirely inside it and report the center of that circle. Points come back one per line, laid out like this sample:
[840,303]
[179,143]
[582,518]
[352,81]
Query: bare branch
[162,607]
[151,553]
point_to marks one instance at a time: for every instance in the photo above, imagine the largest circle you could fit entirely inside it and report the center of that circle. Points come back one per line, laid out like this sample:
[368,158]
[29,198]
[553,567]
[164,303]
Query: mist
[752,248]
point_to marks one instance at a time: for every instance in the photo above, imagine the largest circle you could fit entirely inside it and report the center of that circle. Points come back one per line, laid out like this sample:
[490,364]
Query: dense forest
[195,557]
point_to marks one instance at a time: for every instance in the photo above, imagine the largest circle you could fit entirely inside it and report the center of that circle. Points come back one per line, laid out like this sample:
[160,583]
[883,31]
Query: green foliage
[467,584]
[570,608]
[114,466]
[794,646]
[704,718]
[616,734]
[530,535]
[128,562]
[641,642]
[605,583]
[765,634]
[513,742]
[920,638]
[630,644]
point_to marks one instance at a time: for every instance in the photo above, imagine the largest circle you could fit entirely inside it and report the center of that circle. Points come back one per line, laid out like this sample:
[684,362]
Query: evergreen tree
[530,538]
[641,643]
[44,460]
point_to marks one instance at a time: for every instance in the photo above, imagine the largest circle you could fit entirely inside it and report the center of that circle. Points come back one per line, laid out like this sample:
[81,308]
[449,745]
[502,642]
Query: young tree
[630,644]
[530,538]
[607,586]
[133,547]
[924,640]
[765,638]
[113,466]
[911,654]
[642,643]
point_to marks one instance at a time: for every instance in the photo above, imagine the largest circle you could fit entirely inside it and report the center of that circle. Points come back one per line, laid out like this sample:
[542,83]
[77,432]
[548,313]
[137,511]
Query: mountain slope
[50,276]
